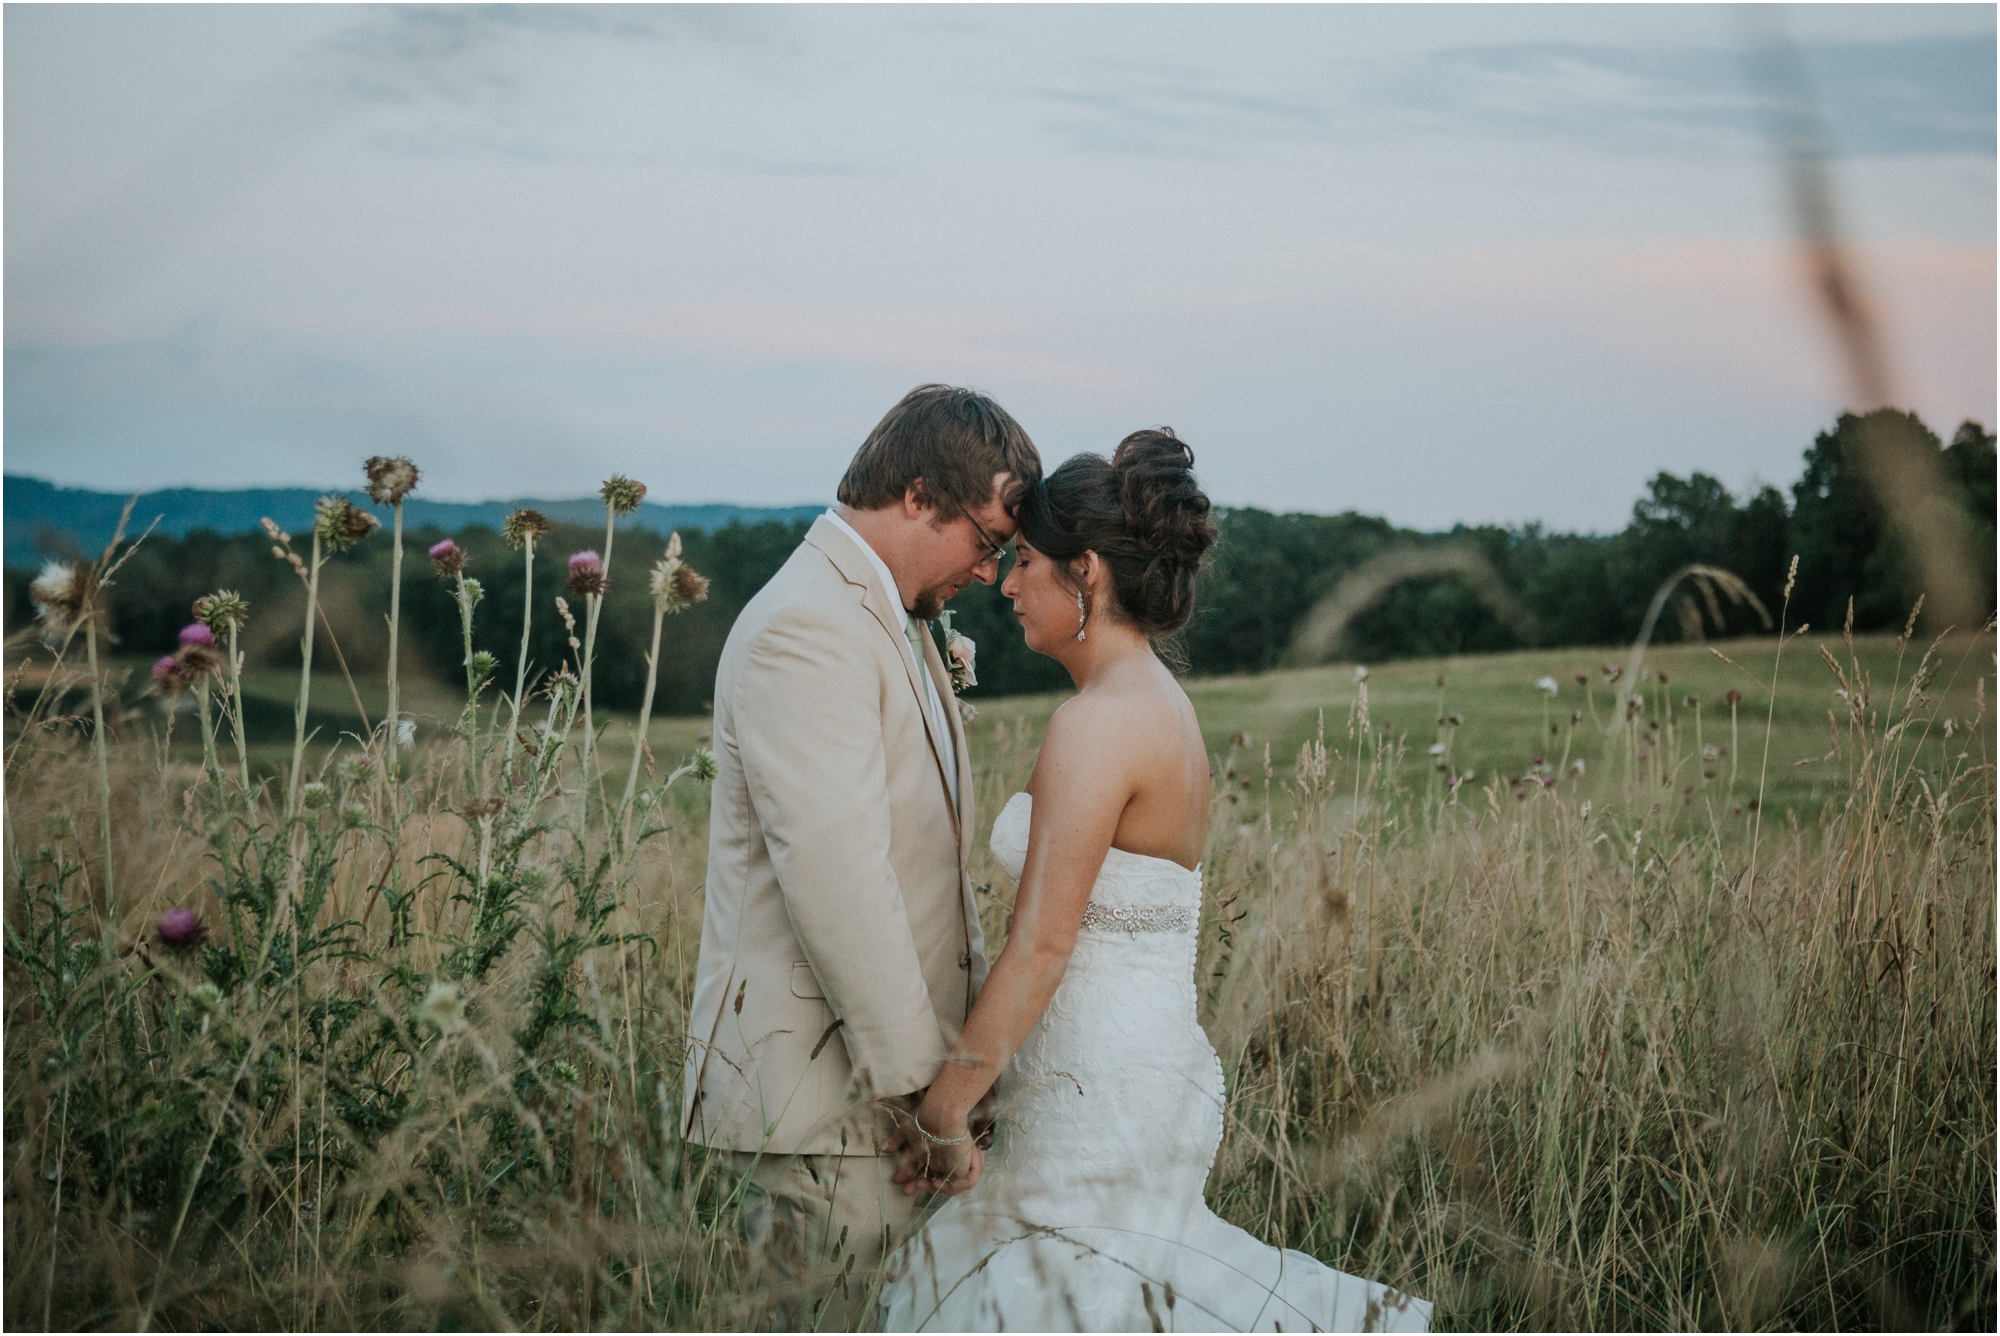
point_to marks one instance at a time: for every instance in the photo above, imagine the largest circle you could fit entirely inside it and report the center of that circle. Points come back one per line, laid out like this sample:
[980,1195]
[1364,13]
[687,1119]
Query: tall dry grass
[1550,1061]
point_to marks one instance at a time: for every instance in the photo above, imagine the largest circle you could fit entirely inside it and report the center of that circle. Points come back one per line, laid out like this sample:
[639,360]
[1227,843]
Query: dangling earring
[1081,614]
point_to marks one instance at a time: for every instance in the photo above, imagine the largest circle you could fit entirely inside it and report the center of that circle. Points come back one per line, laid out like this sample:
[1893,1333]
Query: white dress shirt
[941,724]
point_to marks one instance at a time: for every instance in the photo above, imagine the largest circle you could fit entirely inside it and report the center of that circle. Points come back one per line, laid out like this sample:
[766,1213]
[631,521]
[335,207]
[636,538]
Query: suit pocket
[805,983]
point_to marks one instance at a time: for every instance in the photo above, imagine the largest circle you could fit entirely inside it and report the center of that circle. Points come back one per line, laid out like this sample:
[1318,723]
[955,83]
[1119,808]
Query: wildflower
[61,593]
[1582,677]
[406,733]
[1576,767]
[1734,698]
[474,591]
[443,1008]
[674,584]
[523,525]
[1575,718]
[197,634]
[1437,749]
[315,796]
[204,999]
[1612,672]
[446,559]
[702,766]
[1547,685]
[586,573]
[180,929]
[353,816]
[622,494]
[482,665]
[167,673]
[224,610]
[1690,702]
[198,660]
[1360,672]
[1239,739]
[1537,760]
[1453,782]
[390,478]
[356,768]
[339,524]
[1710,753]
[1454,718]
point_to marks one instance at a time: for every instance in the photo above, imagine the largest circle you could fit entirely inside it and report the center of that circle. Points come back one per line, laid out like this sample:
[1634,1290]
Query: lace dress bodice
[1089,1215]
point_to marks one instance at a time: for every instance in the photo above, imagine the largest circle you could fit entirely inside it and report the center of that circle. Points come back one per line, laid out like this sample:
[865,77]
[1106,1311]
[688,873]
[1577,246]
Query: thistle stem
[208,734]
[236,701]
[305,683]
[465,626]
[521,665]
[103,763]
[645,722]
[395,623]
[589,647]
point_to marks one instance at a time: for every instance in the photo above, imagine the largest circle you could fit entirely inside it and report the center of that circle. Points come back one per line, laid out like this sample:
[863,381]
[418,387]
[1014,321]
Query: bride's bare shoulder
[1120,720]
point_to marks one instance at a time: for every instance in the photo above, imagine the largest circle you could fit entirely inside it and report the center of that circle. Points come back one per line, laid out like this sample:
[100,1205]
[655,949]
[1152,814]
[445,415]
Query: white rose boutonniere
[959,654]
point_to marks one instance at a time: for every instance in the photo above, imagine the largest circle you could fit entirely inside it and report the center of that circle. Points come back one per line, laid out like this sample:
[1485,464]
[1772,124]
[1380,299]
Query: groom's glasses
[992,549]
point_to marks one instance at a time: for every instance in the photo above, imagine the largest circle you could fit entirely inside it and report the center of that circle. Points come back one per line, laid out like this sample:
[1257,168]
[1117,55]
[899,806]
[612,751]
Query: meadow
[1554,986]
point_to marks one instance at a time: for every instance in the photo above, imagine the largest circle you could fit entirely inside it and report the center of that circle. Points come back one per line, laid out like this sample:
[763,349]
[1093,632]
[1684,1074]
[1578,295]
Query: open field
[1608,1053]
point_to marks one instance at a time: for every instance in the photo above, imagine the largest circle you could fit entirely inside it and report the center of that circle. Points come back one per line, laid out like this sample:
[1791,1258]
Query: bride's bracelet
[937,1140]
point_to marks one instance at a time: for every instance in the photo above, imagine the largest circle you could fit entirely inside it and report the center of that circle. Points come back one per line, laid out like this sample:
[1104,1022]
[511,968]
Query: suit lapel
[856,569]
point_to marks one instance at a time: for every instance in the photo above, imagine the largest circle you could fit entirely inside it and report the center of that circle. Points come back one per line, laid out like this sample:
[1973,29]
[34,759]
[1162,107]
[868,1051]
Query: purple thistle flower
[586,573]
[446,558]
[167,672]
[198,634]
[181,928]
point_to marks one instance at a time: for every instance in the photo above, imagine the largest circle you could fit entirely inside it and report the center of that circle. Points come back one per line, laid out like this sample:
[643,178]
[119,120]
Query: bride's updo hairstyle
[1141,512]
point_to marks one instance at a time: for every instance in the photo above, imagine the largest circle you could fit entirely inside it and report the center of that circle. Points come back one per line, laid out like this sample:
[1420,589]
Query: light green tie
[913,629]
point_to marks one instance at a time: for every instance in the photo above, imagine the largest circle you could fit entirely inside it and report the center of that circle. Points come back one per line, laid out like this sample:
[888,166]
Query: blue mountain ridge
[42,519]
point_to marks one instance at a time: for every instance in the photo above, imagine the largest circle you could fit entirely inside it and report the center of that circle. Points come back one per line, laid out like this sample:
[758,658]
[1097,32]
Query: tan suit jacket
[840,946]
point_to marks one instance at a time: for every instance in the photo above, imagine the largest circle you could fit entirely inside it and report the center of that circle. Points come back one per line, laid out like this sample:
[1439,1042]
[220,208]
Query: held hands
[940,1151]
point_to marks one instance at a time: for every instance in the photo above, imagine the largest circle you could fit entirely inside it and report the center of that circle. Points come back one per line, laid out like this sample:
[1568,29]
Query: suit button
[965,960]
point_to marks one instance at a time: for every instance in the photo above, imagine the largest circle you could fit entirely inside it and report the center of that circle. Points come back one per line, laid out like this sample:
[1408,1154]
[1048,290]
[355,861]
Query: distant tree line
[1267,574]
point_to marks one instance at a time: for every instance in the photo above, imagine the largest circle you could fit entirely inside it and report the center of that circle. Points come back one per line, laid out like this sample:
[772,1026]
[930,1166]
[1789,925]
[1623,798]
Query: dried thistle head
[446,558]
[674,584]
[224,611]
[524,526]
[390,478]
[621,494]
[339,524]
[586,573]
[61,594]
[198,660]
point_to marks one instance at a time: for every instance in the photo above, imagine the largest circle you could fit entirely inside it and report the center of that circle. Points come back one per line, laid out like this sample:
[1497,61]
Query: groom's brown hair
[949,440]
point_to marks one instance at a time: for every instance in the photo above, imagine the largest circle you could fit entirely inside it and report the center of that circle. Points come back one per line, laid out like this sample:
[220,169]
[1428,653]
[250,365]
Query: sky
[1479,264]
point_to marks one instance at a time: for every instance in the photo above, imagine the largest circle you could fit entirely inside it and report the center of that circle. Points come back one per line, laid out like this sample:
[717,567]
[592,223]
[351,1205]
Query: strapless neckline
[1028,799]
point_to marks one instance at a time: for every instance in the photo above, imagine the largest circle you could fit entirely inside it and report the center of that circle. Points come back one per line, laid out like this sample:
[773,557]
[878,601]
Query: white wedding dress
[1089,1215]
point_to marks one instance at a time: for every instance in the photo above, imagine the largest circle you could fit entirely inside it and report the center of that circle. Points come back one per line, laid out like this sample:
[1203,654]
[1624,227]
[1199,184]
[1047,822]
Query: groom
[840,946]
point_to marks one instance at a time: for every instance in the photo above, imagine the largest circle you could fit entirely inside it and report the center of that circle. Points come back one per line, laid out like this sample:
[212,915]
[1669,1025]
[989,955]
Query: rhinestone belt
[1135,919]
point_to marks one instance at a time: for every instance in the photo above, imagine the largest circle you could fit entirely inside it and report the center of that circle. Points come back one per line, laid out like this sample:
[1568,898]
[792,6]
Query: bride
[1088,1214]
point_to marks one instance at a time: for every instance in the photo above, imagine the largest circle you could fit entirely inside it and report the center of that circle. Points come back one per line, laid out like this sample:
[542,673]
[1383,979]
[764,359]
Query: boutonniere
[959,654]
